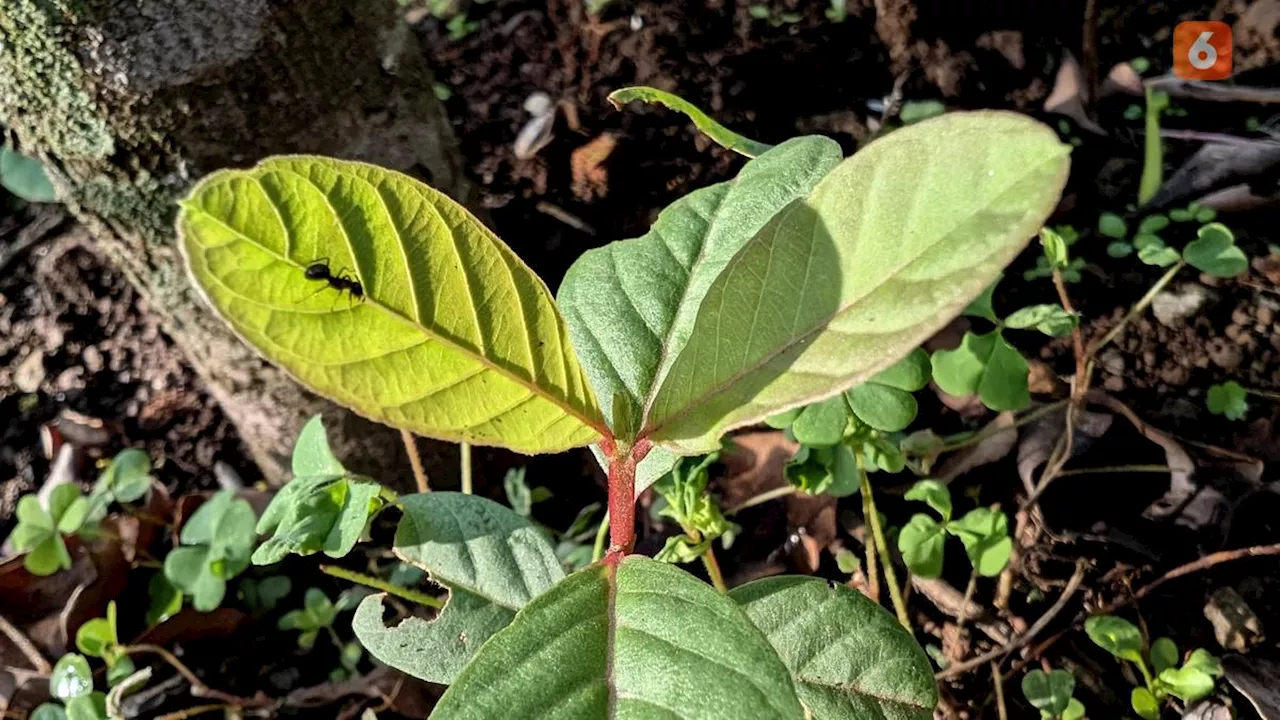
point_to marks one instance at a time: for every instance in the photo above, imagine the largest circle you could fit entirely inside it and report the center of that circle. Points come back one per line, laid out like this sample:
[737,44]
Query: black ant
[319,270]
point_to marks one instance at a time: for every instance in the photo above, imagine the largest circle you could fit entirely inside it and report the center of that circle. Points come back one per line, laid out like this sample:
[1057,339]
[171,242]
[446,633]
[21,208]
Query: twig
[961,668]
[762,498]
[411,447]
[464,462]
[27,647]
[869,544]
[1136,310]
[36,230]
[968,597]
[198,688]
[565,217]
[1195,566]
[998,681]
[1077,340]
[383,585]
[992,430]
[1117,469]
[882,547]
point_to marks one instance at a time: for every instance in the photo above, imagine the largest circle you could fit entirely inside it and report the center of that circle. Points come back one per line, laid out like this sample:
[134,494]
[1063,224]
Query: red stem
[622,497]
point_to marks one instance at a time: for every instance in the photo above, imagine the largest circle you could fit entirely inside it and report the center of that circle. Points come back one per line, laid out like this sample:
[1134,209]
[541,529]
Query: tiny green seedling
[317,614]
[520,496]
[1050,693]
[1192,681]
[1228,399]
[984,532]
[164,600]
[686,500]
[261,595]
[99,638]
[216,543]
[71,683]
[125,479]
[1056,243]
[40,531]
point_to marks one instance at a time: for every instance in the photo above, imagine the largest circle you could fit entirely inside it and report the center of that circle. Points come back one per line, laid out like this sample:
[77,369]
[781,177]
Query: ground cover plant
[797,281]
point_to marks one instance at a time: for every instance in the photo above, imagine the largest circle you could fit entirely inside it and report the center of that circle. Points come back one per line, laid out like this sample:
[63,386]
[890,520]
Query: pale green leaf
[1214,251]
[630,305]
[849,658]
[921,543]
[1075,710]
[48,711]
[1049,692]
[1144,703]
[454,336]
[714,130]
[71,678]
[493,561]
[311,454]
[644,640]
[934,494]
[985,534]
[890,245]
[1055,248]
[982,306]
[1049,319]
[128,476]
[1115,635]
[25,177]
[1164,654]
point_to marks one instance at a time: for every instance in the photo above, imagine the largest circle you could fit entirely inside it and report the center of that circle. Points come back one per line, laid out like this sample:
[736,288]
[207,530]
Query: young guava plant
[805,276]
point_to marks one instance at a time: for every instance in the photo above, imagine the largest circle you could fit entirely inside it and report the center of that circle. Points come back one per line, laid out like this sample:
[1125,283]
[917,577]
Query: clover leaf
[39,531]
[921,543]
[1214,251]
[986,366]
[1112,225]
[127,478]
[98,638]
[216,543]
[1050,692]
[72,683]
[934,494]
[982,306]
[1050,319]
[984,532]
[833,471]
[165,600]
[821,424]
[1227,399]
[885,401]
[318,613]
[323,508]
[1157,254]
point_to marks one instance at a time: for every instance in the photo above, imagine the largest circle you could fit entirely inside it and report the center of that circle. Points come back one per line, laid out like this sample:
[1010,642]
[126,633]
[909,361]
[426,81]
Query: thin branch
[713,569]
[961,668]
[992,429]
[968,598]
[415,460]
[1195,566]
[762,498]
[998,681]
[28,648]
[383,585]
[1117,469]
[194,711]
[198,688]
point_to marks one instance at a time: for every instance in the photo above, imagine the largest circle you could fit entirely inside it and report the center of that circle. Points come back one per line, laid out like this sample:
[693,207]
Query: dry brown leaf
[754,465]
[590,176]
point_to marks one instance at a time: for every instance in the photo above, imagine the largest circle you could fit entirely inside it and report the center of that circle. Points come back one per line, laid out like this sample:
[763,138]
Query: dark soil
[102,354]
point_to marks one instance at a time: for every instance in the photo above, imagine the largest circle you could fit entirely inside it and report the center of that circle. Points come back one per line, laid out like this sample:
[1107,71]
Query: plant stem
[763,497]
[998,681]
[990,430]
[465,462]
[597,551]
[383,585]
[28,648]
[415,460]
[1116,469]
[1137,309]
[623,460]
[194,711]
[968,597]
[886,559]
[713,569]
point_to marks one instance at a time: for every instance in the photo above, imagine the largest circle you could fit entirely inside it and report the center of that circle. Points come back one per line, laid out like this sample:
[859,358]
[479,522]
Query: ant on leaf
[319,270]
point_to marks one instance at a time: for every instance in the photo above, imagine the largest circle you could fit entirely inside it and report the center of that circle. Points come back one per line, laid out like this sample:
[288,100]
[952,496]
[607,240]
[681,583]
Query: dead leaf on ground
[754,465]
[985,452]
[1039,440]
[1067,97]
[1258,679]
[590,176]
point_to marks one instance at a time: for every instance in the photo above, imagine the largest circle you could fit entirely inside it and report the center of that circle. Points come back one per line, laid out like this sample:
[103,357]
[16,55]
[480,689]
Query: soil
[74,338]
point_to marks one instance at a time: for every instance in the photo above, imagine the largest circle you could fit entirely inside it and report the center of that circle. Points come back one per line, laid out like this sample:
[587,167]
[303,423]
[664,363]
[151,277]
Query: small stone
[1227,357]
[1235,625]
[1173,308]
[1112,361]
[1239,316]
[1113,383]
[1149,358]
[1245,340]
[1175,375]
[69,379]
[1266,315]
[1233,331]
[30,373]
[1201,360]
[92,359]
[1260,328]
[1209,280]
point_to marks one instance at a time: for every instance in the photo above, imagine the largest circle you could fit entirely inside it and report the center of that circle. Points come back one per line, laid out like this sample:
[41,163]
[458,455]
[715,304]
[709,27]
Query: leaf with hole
[492,560]
[1214,251]
[849,658]
[448,334]
[845,282]
[626,642]
[986,366]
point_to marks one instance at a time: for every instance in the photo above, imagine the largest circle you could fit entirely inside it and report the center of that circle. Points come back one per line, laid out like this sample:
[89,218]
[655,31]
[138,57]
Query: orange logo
[1202,50]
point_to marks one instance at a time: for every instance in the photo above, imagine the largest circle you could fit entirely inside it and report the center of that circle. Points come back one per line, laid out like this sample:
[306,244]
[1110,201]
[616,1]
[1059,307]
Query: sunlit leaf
[1214,251]
[453,337]
[986,366]
[714,130]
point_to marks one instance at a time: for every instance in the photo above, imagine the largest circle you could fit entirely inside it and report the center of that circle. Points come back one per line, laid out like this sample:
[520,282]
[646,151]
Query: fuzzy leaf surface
[454,338]
[889,246]
[627,643]
[849,658]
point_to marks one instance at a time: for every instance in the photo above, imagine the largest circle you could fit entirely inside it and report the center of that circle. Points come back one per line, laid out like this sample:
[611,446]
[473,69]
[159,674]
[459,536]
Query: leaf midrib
[592,423]
[720,387]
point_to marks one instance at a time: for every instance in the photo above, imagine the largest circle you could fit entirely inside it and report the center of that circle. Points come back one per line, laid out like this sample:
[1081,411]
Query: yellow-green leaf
[891,244]
[454,337]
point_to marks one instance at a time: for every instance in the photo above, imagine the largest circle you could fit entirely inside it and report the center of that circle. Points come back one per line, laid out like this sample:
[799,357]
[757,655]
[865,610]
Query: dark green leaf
[1153,224]
[1119,249]
[986,366]
[1164,655]
[822,424]
[1049,692]
[48,711]
[849,658]
[165,599]
[1113,226]
[981,306]
[1214,251]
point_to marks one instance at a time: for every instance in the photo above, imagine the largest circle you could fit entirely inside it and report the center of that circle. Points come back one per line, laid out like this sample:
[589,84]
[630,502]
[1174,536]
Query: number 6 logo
[1202,50]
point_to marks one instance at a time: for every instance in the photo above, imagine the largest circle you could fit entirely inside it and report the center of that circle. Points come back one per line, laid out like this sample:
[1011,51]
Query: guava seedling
[216,544]
[686,500]
[1194,680]
[40,531]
